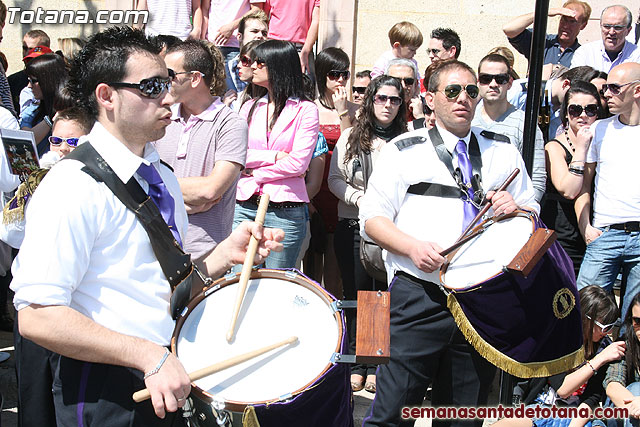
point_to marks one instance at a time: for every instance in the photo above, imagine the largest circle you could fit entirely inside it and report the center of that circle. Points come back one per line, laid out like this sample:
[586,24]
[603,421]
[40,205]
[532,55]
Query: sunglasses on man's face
[576,110]
[380,99]
[453,91]
[615,88]
[56,141]
[614,27]
[434,51]
[500,79]
[408,81]
[336,74]
[358,89]
[149,88]
[604,328]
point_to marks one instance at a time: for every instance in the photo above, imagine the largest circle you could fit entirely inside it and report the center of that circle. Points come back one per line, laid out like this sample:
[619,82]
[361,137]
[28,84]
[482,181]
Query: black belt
[628,227]
[255,201]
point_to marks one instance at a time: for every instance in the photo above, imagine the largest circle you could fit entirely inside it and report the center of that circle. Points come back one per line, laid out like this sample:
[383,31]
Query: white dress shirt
[594,55]
[429,218]
[84,249]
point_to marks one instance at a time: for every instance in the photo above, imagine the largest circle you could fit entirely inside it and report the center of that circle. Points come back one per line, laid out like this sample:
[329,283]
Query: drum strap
[175,263]
[439,190]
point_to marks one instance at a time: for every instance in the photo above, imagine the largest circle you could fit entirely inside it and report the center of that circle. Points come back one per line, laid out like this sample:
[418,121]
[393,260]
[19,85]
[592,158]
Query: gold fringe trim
[506,363]
[24,191]
[249,417]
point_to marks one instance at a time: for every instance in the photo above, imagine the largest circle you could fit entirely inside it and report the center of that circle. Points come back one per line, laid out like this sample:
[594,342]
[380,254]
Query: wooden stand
[372,336]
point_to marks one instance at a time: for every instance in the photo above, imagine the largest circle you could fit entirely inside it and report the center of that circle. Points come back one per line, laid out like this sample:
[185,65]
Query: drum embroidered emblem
[563,303]
[300,301]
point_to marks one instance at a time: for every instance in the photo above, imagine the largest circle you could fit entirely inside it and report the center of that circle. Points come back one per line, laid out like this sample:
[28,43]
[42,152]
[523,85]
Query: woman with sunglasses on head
[382,117]
[622,381]
[283,133]
[336,113]
[582,387]
[47,76]
[565,156]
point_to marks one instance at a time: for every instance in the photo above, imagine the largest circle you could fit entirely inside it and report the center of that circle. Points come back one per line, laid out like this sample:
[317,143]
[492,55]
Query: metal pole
[534,87]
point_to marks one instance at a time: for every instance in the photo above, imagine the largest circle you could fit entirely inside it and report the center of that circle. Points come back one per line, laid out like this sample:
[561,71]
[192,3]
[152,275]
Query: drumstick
[144,394]
[247,266]
[462,239]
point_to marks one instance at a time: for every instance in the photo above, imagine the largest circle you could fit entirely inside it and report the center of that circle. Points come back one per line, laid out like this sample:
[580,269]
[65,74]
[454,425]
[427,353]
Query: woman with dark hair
[582,387]
[283,132]
[565,156]
[236,100]
[336,114]
[381,118]
[622,382]
[47,76]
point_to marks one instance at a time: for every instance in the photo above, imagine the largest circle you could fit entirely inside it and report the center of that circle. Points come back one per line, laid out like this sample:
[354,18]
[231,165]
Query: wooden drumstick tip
[247,266]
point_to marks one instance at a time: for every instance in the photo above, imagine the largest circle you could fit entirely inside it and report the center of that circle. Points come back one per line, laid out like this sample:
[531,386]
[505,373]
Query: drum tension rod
[343,358]
[339,305]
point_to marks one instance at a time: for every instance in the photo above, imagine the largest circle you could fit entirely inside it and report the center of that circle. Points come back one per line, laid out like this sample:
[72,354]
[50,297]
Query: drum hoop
[265,273]
[494,219]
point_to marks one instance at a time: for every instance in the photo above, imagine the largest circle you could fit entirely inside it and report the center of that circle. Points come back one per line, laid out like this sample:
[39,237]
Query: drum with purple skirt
[529,324]
[289,386]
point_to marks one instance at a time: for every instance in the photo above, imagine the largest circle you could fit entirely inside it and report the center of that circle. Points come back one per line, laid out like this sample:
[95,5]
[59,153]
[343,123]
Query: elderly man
[558,48]
[444,44]
[613,49]
[406,71]
[205,144]
[613,235]
[426,345]
[106,310]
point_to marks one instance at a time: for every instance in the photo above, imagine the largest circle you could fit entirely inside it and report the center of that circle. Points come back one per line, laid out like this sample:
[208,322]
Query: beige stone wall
[13,32]
[478,22]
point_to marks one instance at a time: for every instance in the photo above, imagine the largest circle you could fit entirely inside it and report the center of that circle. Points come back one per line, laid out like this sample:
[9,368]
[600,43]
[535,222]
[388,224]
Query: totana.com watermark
[43,16]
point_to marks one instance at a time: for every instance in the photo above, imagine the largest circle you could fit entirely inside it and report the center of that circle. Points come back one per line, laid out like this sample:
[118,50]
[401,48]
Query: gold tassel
[249,417]
[506,363]
[23,193]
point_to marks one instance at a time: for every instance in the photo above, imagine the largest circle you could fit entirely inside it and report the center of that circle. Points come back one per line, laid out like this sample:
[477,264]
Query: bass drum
[290,386]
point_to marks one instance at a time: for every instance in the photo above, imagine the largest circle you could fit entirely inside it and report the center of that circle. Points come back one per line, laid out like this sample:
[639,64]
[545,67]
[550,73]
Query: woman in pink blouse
[283,132]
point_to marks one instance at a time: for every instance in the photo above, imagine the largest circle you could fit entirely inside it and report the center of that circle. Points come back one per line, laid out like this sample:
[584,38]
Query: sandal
[370,385]
[357,382]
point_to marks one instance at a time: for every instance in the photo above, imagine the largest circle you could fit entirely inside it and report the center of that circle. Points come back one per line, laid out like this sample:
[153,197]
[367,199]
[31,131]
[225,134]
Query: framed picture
[20,149]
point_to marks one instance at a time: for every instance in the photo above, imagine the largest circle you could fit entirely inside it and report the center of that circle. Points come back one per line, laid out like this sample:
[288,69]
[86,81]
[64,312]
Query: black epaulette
[495,136]
[524,86]
[408,142]
[167,165]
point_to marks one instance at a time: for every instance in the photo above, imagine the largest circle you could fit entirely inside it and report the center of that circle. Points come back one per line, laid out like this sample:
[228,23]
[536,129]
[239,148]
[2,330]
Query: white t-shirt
[223,12]
[615,150]
[169,17]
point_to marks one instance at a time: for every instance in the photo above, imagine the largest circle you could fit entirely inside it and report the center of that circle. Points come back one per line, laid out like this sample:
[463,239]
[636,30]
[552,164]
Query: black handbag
[370,252]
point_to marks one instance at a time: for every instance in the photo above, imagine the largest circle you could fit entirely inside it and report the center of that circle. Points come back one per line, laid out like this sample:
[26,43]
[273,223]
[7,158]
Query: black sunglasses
[576,110]
[32,80]
[501,79]
[359,89]
[382,99]
[150,88]
[453,91]
[56,141]
[408,81]
[616,88]
[336,74]
[635,320]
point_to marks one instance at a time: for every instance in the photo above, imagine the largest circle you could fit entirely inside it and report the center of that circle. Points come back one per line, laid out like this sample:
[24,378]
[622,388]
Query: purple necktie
[470,211]
[160,196]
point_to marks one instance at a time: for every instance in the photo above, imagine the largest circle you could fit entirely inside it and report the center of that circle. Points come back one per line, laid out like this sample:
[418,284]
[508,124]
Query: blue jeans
[614,249]
[294,223]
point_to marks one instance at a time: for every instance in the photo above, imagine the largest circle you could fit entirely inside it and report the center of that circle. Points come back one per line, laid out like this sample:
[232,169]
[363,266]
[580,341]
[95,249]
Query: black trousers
[94,394]
[346,242]
[426,348]
[35,369]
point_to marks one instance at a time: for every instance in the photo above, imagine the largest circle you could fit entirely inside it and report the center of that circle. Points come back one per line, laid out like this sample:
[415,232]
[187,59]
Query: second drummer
[414,223]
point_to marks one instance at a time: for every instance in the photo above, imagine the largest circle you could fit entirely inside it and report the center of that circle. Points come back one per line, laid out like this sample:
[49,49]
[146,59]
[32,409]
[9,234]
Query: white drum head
[486,255]
[273,310]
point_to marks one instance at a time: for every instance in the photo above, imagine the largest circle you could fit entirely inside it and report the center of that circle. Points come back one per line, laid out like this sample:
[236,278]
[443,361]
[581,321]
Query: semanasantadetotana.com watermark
[43,16]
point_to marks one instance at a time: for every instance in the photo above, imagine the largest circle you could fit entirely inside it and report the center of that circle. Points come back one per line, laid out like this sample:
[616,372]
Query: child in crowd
[405,39]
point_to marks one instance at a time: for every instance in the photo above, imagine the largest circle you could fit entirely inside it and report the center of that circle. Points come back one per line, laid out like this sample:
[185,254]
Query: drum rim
[265,273]
[496,218]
